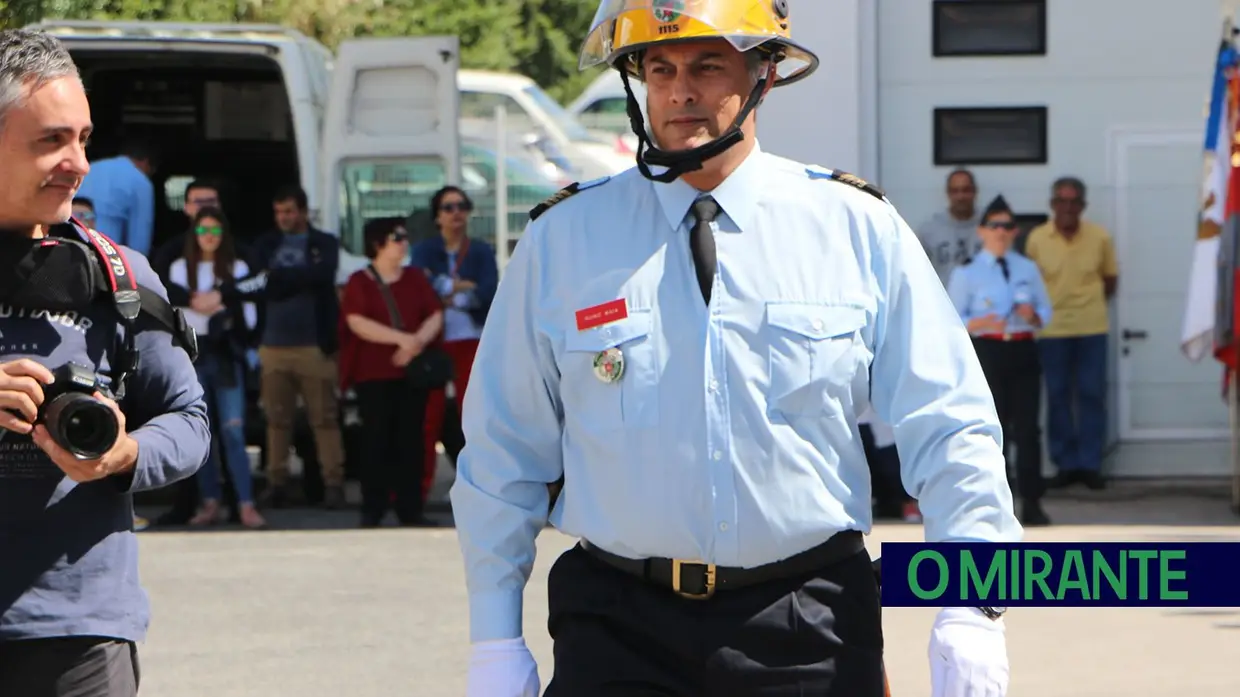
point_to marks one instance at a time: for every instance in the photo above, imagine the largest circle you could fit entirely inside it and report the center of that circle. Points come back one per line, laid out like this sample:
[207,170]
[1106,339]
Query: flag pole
[1233,410]
[1230,34]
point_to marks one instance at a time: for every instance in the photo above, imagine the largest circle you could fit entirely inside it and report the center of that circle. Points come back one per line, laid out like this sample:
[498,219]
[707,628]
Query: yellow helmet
[623,28]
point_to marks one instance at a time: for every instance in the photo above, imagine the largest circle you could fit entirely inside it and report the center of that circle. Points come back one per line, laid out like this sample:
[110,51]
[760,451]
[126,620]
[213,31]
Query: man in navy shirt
[71,607]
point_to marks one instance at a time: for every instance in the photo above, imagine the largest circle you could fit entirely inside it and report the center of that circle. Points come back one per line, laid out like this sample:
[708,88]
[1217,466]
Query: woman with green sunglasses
[208,262]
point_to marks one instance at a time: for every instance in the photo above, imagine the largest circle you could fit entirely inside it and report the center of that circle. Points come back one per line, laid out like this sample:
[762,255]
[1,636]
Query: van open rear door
[389,134]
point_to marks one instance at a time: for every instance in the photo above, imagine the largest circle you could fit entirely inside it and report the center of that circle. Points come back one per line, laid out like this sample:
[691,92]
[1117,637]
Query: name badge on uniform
[609,365]
[599,315]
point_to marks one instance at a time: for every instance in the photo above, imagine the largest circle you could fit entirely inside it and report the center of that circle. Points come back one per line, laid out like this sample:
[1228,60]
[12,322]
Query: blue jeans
[227,407]
[1075,369]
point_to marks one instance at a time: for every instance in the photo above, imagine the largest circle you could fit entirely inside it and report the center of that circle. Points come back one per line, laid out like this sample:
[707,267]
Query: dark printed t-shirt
[68,554]
[290,321]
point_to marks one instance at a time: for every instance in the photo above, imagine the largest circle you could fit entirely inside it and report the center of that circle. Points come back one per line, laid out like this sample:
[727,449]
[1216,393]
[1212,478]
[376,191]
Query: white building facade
[1022,92]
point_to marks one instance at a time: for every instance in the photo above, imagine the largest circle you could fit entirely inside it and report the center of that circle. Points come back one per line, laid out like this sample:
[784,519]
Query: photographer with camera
[98,399]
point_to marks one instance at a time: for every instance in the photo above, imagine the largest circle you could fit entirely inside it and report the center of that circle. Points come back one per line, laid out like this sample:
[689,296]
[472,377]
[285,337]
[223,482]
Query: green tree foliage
[538,38]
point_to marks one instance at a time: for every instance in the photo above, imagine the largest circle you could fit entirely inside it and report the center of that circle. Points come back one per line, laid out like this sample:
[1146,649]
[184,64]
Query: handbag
[430,370]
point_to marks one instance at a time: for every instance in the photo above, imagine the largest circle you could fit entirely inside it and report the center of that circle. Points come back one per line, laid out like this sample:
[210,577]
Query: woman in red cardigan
[375,348]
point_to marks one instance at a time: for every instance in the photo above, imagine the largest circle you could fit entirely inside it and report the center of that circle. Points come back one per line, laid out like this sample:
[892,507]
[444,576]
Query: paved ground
[315,608]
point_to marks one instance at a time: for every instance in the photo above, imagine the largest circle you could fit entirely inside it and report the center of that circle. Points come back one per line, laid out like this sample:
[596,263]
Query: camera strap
[133,302]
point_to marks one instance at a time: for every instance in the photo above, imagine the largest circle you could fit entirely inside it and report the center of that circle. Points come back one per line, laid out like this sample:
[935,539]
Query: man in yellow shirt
[1077,261]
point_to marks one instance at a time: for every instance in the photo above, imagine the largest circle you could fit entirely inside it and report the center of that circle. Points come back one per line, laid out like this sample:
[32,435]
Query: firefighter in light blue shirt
[1000,296]
[687,347]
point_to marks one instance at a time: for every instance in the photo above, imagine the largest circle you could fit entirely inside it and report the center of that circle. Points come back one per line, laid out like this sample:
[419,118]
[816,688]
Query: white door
[1162,396]
[390,133]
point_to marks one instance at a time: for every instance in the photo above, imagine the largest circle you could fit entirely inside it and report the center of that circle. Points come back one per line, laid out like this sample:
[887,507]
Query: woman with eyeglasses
[1000,296]
[208,262]
[465,275]
[389,315]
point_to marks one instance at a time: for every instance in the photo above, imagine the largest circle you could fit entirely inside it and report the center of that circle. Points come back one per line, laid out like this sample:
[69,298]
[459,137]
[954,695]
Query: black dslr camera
[74,418]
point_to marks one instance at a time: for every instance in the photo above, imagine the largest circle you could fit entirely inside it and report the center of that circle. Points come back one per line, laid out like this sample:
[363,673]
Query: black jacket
[266,283]
[478,266]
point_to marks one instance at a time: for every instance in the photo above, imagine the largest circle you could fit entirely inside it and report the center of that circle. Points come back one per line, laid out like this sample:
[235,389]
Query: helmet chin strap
[680,162]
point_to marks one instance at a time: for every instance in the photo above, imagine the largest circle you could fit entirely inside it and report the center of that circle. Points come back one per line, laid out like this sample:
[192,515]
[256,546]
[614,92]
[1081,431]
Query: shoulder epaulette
[849,179]
[562,194]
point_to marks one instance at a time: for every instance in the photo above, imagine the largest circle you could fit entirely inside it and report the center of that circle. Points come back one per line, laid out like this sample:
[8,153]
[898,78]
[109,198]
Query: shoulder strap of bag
[131,301]
[386,292]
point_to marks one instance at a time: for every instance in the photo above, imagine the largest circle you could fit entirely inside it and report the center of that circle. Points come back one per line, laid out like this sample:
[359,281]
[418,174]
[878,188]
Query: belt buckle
[709,582]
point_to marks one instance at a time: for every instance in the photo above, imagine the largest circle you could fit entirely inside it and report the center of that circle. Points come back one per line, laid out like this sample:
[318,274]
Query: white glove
[968,655]
[502,668]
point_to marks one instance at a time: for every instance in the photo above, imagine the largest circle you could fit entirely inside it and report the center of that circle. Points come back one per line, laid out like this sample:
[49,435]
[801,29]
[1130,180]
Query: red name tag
[599,315]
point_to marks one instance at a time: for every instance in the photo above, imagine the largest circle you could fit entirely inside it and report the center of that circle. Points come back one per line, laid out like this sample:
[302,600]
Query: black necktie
[702,243]
[1004,268]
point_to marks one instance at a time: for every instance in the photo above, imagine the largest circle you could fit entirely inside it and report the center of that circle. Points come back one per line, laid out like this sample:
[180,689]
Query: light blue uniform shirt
[731,436]
[124,201]
[978,289]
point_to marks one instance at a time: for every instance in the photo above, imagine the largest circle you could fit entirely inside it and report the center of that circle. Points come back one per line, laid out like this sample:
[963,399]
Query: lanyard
[460,256]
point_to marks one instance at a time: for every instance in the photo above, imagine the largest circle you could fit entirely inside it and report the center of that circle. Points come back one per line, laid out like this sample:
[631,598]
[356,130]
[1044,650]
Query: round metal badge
[609,365]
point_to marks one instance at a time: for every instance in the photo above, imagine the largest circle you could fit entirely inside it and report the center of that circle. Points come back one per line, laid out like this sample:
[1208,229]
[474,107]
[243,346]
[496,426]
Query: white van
[260,106]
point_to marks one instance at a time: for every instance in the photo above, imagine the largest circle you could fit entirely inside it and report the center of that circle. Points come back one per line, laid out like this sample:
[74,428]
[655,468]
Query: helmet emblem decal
[667,10]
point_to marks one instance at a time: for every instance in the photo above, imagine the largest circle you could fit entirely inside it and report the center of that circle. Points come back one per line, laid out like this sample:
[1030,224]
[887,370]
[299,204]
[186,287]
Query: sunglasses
[204,202]
[454,207]
[1002,225]
[1071,202]
[215,230]
[399,237]
[85,215]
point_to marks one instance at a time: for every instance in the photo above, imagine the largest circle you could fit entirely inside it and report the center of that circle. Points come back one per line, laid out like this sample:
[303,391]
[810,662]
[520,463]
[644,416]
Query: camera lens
[82,425]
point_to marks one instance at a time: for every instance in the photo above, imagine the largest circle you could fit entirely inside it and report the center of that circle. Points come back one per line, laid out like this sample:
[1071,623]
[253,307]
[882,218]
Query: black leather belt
[699,581]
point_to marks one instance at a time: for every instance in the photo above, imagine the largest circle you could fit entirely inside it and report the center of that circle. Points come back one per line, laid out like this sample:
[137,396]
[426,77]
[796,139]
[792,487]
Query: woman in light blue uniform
[1000,296]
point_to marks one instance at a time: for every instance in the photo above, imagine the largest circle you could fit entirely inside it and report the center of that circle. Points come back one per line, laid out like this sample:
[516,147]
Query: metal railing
[505,188]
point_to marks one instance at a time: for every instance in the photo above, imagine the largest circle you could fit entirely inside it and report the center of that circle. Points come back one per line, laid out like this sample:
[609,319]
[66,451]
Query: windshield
[565,121]
[520,172]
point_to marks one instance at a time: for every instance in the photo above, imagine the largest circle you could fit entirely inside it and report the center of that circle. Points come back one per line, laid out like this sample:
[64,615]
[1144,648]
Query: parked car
[603,107]
[405,189]
[539,121]
[527,187]
[540,153]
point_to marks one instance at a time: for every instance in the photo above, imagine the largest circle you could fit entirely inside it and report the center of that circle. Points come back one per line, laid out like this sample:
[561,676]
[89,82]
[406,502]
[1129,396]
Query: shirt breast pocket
[815,355]
[611,374]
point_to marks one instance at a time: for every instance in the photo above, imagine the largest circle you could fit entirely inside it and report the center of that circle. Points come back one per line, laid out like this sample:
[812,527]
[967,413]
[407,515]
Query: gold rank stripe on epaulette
[858,183]
[562,194]
[849,179]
